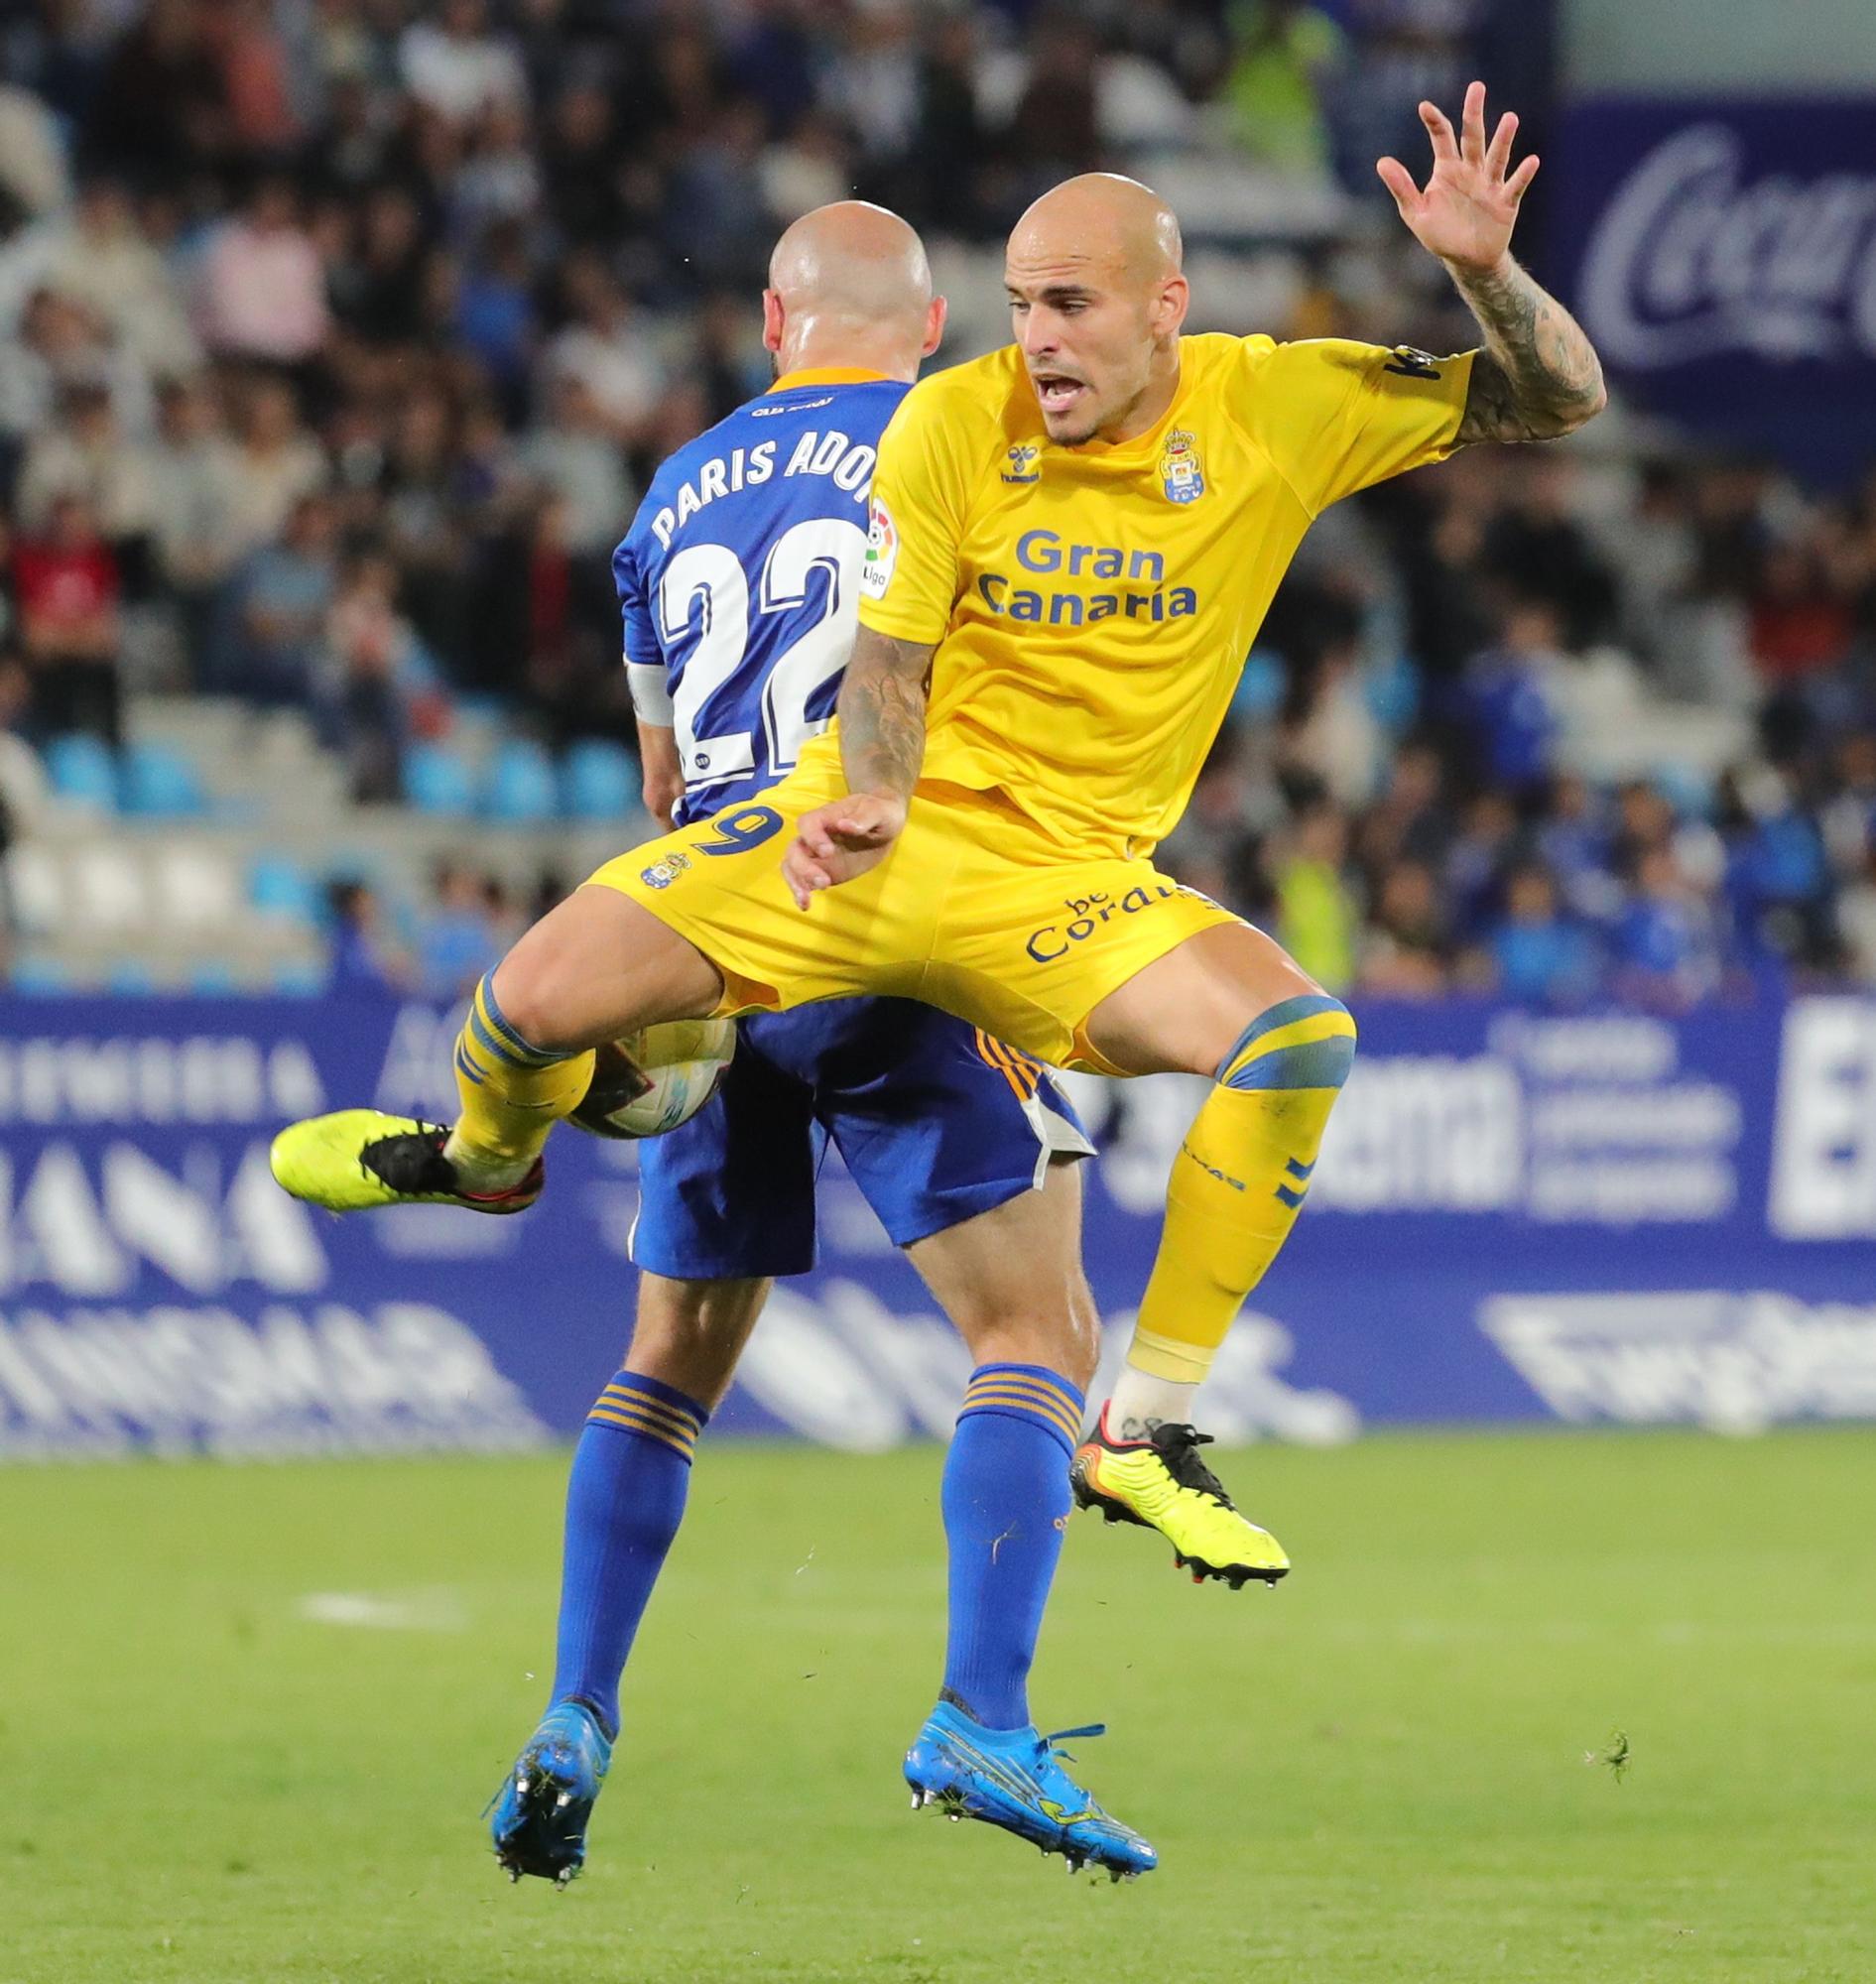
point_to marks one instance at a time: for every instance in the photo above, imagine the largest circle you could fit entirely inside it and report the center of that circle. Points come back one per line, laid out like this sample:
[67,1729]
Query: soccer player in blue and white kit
[739,585]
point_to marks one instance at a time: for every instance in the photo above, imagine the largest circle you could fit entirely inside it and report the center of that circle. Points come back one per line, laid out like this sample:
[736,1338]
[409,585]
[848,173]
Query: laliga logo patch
[1022,468]
[661,874]
[882,551]
[1179,473]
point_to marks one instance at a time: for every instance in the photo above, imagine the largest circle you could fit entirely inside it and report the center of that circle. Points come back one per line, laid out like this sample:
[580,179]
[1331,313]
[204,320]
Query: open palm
[1466,212]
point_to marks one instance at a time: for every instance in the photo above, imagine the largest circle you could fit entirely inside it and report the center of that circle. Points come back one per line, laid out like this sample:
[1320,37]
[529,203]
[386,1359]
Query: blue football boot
[1013,1777]
[541,1812]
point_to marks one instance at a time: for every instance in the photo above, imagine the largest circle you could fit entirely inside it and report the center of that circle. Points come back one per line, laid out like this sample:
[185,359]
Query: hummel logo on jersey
[1407,363]
[1022,458]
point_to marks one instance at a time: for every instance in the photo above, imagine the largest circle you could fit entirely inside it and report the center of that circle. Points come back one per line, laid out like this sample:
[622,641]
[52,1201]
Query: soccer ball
[656,1078]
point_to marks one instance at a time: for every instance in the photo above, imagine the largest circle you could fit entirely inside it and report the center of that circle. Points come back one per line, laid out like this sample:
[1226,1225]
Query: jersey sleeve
[1336,415]
[645,671]
[915,519]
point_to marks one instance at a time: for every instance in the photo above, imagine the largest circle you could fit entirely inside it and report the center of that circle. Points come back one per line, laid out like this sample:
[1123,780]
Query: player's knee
[532,987]
[1307,1042]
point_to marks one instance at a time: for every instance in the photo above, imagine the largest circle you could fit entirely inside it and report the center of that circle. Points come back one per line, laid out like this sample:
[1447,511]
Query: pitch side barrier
[1518,1216]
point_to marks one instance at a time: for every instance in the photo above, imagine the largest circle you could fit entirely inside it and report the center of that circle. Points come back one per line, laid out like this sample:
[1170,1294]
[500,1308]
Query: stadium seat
[300,980]
[83,772]
[520,785]
[35,888]
[157,781]
[599,780]
[279,887]
[128,979]
[109,890]
[196,888]
[212,980]
[1391,691]
[437,780]
[40,978]
[1260,690]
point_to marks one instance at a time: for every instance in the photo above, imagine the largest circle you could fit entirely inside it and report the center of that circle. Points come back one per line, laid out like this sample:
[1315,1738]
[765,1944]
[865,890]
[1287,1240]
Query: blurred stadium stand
[337,342]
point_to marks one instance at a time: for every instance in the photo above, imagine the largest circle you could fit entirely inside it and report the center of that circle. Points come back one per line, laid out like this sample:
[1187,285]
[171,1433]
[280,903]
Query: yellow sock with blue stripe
[1239,1183]
[513,1093]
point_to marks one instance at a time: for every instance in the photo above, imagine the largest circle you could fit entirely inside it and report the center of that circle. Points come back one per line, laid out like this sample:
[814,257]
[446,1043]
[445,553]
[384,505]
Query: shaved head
[850,277]
[1097,301]
[1103,220]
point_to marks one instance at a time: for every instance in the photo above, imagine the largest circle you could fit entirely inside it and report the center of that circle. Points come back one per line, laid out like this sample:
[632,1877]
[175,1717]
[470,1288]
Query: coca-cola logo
[1694,259]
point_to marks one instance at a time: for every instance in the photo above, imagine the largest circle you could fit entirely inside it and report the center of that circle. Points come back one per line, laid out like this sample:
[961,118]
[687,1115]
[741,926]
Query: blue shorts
[935,1121]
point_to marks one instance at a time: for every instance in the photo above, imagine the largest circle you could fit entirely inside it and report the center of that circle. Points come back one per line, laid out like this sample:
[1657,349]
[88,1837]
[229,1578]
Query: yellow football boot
[359,1157]
[1162,1484]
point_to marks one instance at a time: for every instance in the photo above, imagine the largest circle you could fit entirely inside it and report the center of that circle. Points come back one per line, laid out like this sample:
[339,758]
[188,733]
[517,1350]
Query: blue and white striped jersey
[739,580]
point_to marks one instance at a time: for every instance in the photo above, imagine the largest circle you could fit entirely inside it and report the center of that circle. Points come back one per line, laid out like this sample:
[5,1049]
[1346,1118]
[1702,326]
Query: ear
[934,315]
[774,321]
[1170,307]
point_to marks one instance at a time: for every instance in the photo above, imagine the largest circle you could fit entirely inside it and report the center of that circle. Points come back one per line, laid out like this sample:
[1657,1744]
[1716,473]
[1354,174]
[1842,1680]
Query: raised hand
[1465,211]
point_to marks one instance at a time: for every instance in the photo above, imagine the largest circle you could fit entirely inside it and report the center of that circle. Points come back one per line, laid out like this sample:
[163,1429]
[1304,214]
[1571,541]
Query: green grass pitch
[1376,1771]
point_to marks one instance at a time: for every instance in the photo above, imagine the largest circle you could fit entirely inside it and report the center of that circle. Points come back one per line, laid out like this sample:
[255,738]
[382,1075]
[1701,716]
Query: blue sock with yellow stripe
[1239,1180]
[1006,1502]
[512,1093]
[624,1501]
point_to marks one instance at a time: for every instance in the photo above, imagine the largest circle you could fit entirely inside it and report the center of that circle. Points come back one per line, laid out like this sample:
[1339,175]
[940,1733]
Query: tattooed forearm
[882,713]
[1538,376]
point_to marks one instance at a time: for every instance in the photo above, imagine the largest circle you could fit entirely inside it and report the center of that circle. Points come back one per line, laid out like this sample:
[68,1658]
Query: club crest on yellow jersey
[661,874]
[1022,462]
[1179,473]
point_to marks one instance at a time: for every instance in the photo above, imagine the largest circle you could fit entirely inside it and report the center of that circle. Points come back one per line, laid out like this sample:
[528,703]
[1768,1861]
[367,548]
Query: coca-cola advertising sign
[1722,255]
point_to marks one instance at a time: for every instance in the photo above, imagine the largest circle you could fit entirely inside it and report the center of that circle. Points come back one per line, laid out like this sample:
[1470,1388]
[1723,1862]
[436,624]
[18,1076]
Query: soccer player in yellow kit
[1073,543]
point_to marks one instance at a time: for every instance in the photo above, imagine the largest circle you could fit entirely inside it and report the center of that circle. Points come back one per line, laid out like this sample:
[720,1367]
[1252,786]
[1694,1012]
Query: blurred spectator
[456,67]
[262,285]
[376,684]
[68,590]
[197,528]
[1664,948]
[1283,59]
[603,349]
[275,462]
[100,258]
[1543,956]
[1317,914]
[575,456]
[362,960]
[87,455]
[281,598]
[458,939]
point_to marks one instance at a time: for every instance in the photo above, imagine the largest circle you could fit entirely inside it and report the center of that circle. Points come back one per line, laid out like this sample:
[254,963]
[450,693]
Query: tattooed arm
[1538,376]
[882,745]
[882,715]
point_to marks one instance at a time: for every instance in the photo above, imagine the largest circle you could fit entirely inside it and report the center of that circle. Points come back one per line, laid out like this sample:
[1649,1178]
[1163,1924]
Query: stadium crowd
[338,337]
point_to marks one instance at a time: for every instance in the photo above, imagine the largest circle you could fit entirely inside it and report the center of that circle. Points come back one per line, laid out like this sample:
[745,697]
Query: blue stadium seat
[1260,690]
[300,981]
[280,887]
[599,780]
[437,779]
[520,783]
[1392,691]
[157,782]
[212,980]
[128,979]
[40,978]
[82,771]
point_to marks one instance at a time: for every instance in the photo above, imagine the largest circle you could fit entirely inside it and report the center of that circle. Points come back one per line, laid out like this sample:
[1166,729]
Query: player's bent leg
[625,1499]
[1227,1002]
[595,967]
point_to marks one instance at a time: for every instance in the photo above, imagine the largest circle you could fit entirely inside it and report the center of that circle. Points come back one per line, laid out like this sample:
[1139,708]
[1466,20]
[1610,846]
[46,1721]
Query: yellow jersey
[1092,607]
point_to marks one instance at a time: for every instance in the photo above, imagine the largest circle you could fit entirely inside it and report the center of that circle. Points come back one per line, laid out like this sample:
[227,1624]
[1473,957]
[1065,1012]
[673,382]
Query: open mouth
[1056,391]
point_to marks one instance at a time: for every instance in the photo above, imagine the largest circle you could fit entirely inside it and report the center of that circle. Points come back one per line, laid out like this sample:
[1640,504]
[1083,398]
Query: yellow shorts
[975,910]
